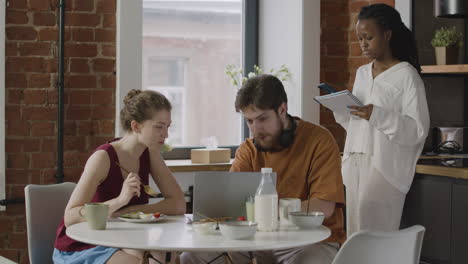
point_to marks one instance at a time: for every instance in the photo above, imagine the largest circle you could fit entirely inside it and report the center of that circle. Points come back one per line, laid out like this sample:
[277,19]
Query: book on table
[339,102]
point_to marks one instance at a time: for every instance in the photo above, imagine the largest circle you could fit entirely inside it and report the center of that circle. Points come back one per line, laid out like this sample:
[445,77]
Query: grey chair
[45,207]
[366,247]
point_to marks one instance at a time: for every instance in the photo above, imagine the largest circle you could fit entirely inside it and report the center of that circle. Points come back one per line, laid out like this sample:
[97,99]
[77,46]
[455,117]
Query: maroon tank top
[109,189]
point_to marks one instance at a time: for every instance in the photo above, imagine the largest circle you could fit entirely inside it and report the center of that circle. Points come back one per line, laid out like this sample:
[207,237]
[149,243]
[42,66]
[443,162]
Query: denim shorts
[95,255]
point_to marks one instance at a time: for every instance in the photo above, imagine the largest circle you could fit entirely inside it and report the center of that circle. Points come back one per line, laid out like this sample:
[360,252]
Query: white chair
[366,247]
[45,207]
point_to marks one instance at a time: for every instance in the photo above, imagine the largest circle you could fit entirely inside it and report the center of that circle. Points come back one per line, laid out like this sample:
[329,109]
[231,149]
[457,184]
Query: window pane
[186,47]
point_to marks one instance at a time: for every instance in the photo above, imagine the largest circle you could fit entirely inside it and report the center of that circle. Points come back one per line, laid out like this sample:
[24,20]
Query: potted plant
[447,42]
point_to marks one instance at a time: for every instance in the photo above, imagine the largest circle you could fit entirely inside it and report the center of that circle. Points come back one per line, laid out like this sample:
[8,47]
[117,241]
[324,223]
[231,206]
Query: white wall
[405,9]
[289,33]
[128,64]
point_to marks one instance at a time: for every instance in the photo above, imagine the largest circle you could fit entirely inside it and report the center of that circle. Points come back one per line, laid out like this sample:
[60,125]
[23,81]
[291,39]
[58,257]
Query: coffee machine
[450,140]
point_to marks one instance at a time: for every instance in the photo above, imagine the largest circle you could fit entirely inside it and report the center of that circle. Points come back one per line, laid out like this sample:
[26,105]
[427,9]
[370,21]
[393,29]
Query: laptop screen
[222,193]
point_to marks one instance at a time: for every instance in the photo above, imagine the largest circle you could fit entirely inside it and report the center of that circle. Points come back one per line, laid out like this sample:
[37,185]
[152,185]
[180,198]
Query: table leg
[227,258]
[168,257]
[252,258]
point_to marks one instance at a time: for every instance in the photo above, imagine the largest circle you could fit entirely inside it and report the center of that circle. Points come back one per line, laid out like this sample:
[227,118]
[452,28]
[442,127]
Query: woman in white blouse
[384,137]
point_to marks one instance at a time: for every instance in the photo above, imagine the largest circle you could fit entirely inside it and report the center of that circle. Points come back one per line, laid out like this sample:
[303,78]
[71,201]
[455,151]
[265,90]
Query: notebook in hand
[339,101]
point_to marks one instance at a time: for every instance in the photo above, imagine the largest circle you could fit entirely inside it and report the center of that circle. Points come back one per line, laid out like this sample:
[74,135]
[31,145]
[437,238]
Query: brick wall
[340,52]
[31,98]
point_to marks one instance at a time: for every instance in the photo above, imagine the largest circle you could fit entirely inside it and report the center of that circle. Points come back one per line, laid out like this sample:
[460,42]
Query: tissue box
[206,156]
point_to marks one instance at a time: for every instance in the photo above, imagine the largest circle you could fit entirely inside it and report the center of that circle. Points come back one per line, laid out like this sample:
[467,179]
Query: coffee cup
[96,215]
[286,206]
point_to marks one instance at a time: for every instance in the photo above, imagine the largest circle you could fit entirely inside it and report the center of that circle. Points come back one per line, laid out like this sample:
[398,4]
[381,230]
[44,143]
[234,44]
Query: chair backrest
[45,207]
[366,247]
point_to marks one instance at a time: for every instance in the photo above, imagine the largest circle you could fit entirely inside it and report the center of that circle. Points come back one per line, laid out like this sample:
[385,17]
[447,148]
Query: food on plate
[132,215]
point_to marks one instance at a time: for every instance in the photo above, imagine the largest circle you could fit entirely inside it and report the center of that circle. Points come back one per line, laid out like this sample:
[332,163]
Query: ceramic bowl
[238,229]
[204,228]
[306,220]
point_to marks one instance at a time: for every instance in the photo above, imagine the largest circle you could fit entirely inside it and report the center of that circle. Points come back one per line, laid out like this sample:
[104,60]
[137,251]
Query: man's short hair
[263,91]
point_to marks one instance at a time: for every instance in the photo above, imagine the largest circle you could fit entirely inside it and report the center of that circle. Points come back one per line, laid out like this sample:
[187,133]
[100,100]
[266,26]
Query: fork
[148,190]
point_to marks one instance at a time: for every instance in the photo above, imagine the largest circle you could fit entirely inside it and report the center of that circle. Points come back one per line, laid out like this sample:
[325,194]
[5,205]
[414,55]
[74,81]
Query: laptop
[222,193]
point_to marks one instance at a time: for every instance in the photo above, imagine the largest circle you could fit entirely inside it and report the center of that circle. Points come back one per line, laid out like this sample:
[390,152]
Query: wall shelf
[445,69]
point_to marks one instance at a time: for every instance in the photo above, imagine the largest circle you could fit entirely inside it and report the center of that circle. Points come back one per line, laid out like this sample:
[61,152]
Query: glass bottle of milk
[266,203]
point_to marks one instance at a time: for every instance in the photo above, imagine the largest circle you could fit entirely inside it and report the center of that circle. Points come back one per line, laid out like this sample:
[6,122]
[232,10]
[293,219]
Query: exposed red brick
[21,33]
[16,4]
[355,7]
[103,65]
[81,50]
[18,160]
[80,81]
[15,80]
[39,80]
[40,113]
[106,6]
[109,21]
[74,143]
[83,20]
[78,113]
[108,50]
[13,112]
[104,97]
[42,160]
[13,145]
[85,128]
[105,35]
[16,176]
[34,96]
[40,5]
[83,34]
[48,34]
[16,17]
[39,129]
[44,19]
[11,49]
[79,65]
[83,5]
[71,159]
[17,127]
[32,144]
[82,97]
[108,82]
[35,49]
[69,128]
[103,112]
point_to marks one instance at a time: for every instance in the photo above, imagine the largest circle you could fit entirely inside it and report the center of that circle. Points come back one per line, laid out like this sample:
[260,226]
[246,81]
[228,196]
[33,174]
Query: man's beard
[275,145]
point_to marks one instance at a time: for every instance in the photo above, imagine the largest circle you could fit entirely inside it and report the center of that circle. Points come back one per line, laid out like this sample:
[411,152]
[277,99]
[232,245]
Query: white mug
[286,206]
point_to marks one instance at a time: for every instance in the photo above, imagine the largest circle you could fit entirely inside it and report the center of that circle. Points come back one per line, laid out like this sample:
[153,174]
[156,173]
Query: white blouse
[395,133]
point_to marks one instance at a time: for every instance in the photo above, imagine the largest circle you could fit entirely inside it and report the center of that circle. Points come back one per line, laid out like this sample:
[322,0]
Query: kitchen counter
[460,173]
[186,165]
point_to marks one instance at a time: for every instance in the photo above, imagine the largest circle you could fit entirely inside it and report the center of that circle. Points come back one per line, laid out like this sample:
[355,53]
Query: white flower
[251,74]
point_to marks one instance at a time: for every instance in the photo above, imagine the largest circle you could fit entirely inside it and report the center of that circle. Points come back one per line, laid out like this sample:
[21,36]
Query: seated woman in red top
[145,118]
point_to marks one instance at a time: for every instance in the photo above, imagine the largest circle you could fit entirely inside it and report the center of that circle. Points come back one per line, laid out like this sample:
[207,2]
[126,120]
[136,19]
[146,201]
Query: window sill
[186,165]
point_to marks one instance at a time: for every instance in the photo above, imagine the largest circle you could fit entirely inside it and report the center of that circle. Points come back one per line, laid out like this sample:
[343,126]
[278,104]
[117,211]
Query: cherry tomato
[157,215]
[241,218]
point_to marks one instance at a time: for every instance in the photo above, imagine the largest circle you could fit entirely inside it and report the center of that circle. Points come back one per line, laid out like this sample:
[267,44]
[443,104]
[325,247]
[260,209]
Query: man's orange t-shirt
[314,154]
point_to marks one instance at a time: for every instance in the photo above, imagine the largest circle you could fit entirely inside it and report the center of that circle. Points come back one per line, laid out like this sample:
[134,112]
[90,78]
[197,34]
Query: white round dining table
[173,234]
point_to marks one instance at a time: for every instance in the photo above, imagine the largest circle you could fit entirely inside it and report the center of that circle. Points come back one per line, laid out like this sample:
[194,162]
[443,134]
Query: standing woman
[384,137]
[145,118]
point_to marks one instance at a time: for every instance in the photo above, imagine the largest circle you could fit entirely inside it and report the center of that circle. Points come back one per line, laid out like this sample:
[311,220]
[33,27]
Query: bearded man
[306,160]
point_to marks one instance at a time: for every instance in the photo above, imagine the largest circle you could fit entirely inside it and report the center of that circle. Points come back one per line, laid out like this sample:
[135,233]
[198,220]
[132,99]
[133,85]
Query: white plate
[134,220]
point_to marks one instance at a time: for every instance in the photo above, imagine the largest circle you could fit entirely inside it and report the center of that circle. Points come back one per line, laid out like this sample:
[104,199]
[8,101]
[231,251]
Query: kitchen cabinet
[460,222]
[428,203]
[440,204]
